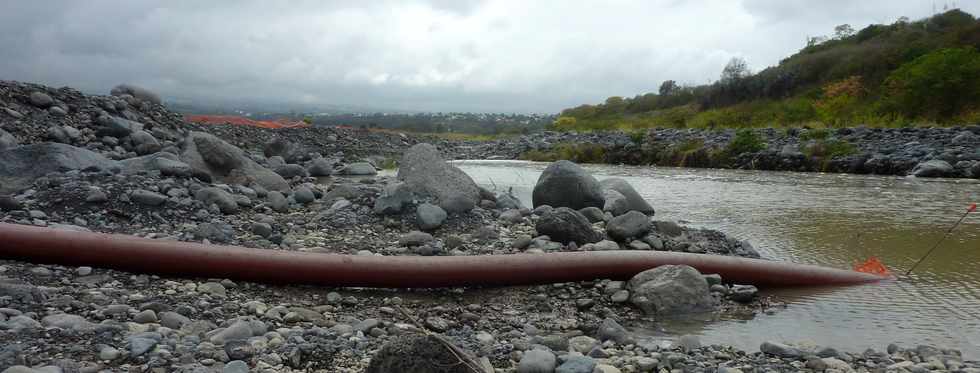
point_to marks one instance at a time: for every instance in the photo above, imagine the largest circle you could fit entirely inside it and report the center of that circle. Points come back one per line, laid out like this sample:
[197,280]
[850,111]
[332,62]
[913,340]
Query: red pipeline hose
[128,253]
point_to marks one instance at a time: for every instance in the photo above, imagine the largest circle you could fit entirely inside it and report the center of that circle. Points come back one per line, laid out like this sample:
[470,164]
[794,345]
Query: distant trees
[735,70]
[668,87]
[843,31]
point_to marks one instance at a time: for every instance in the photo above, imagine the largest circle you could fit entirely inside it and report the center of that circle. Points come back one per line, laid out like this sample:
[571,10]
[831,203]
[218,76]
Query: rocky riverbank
[124,164]
[926,152]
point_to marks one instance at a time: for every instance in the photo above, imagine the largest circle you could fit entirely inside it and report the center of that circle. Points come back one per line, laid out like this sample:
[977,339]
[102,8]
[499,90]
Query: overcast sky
[436,55]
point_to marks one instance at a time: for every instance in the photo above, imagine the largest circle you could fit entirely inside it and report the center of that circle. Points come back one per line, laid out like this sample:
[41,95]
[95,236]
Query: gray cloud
[437,55]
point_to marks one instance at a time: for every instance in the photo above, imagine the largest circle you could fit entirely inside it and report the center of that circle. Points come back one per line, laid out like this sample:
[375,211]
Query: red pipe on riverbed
[164,257]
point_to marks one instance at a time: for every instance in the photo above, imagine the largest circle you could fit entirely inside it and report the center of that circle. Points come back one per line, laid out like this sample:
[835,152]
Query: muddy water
[827,219]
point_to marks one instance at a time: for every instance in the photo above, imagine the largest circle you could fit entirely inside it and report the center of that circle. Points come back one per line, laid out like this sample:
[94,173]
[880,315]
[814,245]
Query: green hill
[905,73]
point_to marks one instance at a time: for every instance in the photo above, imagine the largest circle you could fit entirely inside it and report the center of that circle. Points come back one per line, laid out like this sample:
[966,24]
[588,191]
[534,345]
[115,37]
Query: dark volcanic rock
[566,225]
[566,184]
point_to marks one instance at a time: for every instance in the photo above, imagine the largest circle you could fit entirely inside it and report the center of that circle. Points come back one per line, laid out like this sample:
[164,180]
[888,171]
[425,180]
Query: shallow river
[827,219]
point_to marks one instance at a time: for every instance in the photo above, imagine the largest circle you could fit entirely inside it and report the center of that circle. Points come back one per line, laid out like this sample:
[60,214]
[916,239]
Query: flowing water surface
[827,219]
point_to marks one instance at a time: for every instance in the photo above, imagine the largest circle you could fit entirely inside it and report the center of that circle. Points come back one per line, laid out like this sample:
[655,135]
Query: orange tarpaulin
[873,266]
[236,120]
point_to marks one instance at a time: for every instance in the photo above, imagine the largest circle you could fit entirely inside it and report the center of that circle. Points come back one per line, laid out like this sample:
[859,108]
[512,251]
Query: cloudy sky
[435,55]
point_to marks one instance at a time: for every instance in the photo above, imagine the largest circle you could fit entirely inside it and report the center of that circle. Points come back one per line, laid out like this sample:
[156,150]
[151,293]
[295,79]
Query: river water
[827,219]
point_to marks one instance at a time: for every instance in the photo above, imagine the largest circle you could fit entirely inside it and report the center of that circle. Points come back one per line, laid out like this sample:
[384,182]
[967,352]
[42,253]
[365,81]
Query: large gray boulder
[566,225]
[566,184]
[632,224]
[20,166]
[227,163]
[427,174]
[671,290]
[140,93]
[933,168]
[634,202]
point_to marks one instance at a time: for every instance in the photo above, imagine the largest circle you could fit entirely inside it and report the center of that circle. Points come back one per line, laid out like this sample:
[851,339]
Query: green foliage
[937,86]
[815,134]
[745,141]
[883,75]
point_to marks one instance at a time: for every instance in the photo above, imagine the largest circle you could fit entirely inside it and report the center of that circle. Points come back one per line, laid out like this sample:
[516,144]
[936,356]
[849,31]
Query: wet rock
[358,169]
[610,330]
[670,290]
[426,173]
[566,184]
[689,343]
[933,168]
[633,224]
[566,225]
[430,216]
[780,350]
[415,353]
[743,293]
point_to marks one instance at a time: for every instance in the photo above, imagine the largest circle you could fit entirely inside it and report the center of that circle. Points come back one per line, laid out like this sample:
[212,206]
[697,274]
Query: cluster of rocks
[925,152]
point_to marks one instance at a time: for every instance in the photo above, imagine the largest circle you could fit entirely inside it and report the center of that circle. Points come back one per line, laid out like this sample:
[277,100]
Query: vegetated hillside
[905,73]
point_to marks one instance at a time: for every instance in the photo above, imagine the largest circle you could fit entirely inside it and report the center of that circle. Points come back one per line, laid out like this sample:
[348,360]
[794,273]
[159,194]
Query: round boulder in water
[566,184]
